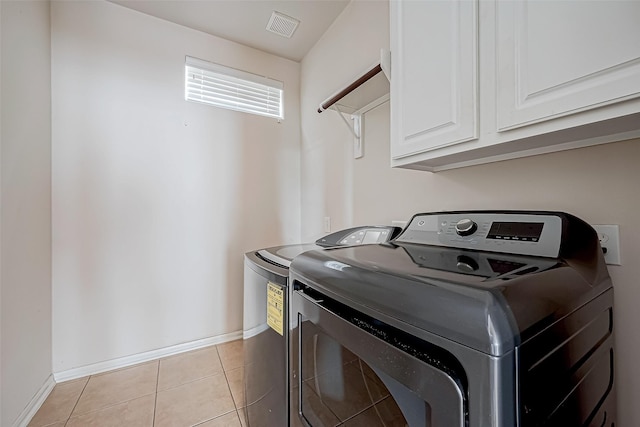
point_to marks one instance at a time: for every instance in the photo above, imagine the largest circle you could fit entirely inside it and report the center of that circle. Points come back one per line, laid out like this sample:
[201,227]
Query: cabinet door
[556,58]
[434,75]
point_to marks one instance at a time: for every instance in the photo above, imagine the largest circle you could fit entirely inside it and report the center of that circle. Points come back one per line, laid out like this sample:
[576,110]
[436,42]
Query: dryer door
[353,372]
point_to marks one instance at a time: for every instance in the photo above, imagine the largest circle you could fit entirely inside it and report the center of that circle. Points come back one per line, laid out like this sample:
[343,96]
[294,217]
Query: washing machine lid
[283,255]
[489,301]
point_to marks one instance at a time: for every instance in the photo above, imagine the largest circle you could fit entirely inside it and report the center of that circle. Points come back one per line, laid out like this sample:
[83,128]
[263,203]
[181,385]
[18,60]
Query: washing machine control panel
[359,236]
[514,233]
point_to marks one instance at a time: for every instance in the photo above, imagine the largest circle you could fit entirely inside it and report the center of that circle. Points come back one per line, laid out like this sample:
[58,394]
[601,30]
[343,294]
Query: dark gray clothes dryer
[467,319]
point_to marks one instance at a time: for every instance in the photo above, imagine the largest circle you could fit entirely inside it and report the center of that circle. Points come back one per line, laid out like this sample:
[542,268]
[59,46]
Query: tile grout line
[233,399]
[226,378]
[224,371]
[78,400]
[155,400]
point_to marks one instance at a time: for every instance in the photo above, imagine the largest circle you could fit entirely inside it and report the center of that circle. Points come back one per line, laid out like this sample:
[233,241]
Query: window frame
[225,87]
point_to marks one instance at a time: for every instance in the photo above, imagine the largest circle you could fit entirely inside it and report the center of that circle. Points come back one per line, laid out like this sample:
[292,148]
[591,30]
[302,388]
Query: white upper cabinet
[475,82]
[562,57]
[435,74]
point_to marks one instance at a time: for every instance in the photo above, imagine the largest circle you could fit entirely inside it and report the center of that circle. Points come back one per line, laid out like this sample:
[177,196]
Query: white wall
[599,184]
[350,47]
[156,199]
[25,199]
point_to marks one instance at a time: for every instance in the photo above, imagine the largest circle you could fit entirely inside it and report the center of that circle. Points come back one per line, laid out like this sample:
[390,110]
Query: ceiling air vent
[282,24]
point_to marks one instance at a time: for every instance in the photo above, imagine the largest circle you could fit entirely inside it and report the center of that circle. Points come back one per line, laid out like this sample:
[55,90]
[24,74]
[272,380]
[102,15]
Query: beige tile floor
[199,388]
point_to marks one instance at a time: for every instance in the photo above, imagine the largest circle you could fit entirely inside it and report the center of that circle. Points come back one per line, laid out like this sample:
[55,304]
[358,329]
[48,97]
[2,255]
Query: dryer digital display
[525,231]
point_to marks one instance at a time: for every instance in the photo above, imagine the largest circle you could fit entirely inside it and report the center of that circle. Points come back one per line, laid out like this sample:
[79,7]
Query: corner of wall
[25,210]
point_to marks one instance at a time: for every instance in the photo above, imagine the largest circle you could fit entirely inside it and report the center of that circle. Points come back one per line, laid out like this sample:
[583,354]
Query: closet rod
[344,92]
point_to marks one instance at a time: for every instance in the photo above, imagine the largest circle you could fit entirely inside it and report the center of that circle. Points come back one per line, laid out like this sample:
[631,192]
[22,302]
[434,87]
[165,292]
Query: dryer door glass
[351,377]
[339,388]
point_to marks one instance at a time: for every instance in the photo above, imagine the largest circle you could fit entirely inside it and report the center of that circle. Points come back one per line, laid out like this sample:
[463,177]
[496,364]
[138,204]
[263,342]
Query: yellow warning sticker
[275,307]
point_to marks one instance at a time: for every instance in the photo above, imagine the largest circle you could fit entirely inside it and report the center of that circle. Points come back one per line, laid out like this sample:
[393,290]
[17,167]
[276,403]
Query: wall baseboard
[123,362]
[36,402]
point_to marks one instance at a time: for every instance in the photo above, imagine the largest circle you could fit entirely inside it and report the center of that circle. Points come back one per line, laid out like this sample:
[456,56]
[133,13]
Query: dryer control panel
[534,234]
[359,236]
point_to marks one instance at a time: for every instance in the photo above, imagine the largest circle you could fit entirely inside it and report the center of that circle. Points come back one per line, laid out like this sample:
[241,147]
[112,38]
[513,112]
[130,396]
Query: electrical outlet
[326,224]
[609,236]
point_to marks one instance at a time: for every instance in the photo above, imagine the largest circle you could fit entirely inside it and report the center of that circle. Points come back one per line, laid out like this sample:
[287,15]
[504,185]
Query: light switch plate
[326,224]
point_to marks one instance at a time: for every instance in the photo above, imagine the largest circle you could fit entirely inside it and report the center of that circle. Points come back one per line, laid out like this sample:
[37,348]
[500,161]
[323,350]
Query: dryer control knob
[466,227]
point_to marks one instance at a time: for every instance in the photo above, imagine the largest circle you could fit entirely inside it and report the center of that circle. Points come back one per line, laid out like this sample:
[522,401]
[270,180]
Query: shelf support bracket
[385,63]
[355,129]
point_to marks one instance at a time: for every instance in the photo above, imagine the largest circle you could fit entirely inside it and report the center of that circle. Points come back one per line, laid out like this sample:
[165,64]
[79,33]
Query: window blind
[225,87]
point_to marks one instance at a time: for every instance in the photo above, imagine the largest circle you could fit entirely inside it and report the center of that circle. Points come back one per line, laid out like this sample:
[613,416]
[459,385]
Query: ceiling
[245,21]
